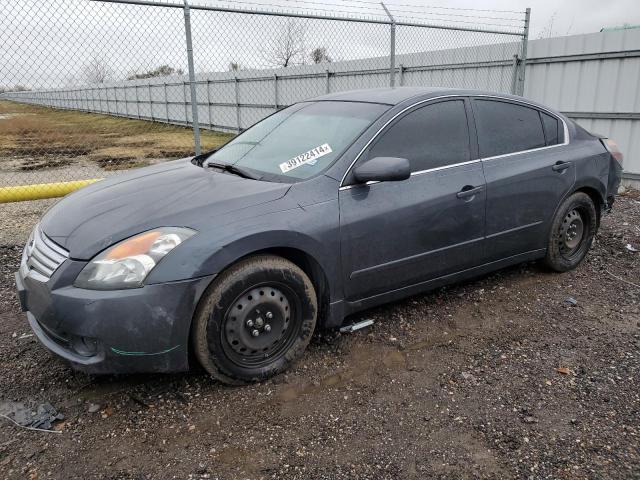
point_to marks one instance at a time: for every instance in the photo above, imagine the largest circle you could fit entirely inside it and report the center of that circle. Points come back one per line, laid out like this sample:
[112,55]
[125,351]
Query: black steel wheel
[572,231]
[261,324]
[255,320]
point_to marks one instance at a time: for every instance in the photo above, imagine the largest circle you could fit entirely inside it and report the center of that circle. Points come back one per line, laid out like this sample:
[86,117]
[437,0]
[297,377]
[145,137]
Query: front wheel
[254,320]
[572,231]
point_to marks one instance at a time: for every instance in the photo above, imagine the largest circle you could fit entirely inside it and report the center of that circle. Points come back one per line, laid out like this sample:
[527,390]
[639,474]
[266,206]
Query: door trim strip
[515,229]
[418,256]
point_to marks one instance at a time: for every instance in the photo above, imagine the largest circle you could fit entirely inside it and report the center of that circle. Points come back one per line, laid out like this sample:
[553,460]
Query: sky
[548,18]
[53,43]
[563,17]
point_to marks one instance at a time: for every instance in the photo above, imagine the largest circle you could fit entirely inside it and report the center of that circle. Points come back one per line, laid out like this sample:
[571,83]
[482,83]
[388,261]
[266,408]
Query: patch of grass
[112,142]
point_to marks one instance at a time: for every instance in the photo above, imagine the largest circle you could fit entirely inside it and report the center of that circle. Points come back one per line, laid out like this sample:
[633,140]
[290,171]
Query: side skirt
[341,309]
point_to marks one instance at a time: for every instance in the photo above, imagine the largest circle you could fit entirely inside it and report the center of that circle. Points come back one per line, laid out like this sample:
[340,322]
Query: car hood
[174,193]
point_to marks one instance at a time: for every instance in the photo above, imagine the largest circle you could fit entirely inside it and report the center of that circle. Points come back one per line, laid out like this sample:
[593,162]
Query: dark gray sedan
[323,209]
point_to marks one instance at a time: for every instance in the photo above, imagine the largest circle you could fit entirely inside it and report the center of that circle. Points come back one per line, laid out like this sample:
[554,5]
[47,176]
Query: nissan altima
[334,205]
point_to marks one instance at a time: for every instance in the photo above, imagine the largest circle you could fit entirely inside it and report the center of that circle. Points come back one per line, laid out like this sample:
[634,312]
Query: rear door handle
[469,191]
[561,166]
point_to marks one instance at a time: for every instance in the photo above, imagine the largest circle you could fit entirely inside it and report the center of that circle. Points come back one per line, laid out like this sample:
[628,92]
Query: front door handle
[469,191]
[561,166]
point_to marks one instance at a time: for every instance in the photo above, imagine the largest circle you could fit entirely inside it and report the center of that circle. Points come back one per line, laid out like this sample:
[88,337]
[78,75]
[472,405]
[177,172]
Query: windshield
[300,141]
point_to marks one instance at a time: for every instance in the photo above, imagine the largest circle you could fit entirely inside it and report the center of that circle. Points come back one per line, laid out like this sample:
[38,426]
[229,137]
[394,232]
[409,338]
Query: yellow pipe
[39,191]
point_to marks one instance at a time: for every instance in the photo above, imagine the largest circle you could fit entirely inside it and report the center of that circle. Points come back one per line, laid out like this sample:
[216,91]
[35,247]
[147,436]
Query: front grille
[42,256]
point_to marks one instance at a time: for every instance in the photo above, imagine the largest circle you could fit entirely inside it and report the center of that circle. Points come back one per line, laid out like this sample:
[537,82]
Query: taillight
[613,149]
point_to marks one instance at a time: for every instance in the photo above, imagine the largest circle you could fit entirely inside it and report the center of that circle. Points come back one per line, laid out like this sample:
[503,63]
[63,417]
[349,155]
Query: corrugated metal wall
[236,100]
[593,78]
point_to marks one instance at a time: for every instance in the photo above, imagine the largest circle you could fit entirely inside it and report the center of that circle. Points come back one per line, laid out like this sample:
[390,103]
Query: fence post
[328,87]
[185,104]
[192,78]
[150,103]
[209,103]
[392,55]
[275,92]
[401,72]
[237,99]
[166,101]
[137,101]
[514,74]
[523,61]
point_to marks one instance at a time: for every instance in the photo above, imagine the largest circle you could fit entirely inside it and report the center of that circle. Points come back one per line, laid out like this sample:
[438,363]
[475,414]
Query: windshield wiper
[242,172]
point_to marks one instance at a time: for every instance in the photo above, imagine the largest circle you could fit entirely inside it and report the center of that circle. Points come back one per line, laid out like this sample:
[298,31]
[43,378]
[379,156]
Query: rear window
[551,128]
[507,128]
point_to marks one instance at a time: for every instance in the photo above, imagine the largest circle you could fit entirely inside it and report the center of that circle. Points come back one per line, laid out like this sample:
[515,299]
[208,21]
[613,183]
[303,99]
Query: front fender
[313,230]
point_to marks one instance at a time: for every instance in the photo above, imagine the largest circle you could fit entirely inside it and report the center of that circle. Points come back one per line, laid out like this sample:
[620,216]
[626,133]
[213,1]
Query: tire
[572,231]
[254,320]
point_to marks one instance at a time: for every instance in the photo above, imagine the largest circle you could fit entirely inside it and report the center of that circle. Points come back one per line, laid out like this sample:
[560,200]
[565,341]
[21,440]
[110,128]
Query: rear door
[396,234]
[522,150]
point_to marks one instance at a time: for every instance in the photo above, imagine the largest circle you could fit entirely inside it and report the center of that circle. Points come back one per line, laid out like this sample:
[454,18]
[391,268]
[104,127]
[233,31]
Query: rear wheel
[572,232]
[255,320]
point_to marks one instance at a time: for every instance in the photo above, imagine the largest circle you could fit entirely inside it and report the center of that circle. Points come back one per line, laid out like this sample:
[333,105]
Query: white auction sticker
[306,158]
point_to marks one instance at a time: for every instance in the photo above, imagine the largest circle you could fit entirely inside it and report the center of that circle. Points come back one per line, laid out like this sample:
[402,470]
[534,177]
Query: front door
[397,234]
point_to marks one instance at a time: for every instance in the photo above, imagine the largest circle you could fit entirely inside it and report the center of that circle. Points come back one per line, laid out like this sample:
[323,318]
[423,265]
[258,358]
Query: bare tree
[97,70]
[161,71]
[548,31]
[16,88]
[320,55]
[288,48]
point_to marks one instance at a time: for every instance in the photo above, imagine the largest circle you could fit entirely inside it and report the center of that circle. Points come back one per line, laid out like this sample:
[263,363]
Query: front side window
[506,128]
[432,136]
[300,141]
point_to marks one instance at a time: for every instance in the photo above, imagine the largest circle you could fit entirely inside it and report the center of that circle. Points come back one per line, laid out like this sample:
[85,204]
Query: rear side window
[432,136]
[507,128]
[551,128]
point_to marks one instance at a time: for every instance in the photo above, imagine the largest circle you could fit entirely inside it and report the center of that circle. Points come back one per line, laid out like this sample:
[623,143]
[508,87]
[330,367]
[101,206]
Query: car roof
[396,95]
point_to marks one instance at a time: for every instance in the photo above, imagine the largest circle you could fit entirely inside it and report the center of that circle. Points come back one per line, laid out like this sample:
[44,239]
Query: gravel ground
[17,219]
[497,378]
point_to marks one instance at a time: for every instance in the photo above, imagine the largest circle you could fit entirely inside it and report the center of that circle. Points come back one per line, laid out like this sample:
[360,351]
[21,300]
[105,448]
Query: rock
[529,419]
[94,408]
[468,376]
[622,190]
[571,301]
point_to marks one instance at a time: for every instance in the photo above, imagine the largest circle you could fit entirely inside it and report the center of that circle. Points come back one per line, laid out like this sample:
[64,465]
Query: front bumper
[119,331]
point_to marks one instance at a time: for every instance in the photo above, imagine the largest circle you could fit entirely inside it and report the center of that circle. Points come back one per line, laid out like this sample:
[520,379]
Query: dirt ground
[40,145]
[501,377]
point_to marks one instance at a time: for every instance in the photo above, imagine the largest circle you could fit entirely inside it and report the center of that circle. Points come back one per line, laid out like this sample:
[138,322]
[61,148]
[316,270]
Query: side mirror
[383,169]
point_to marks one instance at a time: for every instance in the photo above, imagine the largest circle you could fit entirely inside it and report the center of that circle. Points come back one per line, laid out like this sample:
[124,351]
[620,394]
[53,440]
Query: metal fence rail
[171,65]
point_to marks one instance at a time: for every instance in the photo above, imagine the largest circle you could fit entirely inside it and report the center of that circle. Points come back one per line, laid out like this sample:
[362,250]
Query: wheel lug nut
[255,333]
[249,323]
[267,328]
[269,315]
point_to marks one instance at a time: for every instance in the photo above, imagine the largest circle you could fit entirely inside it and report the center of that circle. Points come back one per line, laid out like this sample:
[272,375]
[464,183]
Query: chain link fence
[88,88]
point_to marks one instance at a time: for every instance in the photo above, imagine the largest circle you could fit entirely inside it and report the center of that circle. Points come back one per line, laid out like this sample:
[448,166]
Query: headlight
[127,264]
